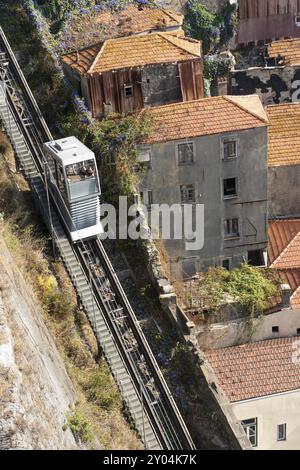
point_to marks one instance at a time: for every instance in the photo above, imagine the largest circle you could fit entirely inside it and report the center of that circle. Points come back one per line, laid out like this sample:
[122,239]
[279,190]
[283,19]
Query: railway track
[116,328]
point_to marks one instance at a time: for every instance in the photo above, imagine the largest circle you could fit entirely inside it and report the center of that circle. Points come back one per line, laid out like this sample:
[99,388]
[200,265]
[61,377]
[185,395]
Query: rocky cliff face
[36,393]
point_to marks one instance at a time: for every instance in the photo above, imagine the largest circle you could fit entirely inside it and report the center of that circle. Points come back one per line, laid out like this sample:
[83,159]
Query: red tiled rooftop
[281,233]
[256,369]
[133,51]
[206,116]
[284,254]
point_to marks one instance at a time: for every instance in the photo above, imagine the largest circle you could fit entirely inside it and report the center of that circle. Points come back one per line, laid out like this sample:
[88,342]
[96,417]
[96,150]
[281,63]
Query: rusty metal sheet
[191,80]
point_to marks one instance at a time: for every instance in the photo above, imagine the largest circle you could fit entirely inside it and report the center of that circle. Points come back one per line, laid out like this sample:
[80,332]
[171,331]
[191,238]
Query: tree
[199,23]
[212,28]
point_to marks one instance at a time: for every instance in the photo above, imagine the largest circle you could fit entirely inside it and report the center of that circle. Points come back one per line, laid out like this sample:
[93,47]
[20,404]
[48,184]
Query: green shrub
[251,287]
[101,390]
[215,66]
[80,427]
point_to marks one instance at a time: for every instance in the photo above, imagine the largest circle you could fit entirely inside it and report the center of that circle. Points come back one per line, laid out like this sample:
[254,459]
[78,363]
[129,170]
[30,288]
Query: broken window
[128,91]
[229,149]
[187,193]
[231,228]
[226,263]
[185,153]
[256,258]
[250,428]
[230,187]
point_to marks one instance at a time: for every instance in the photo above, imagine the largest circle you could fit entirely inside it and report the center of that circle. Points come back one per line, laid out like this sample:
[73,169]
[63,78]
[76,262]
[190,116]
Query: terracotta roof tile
[284,134]
[289,258]
[289,49]
[284,254]
[281,233]
[206,117]
[134,20]
[133,51]
[256,369]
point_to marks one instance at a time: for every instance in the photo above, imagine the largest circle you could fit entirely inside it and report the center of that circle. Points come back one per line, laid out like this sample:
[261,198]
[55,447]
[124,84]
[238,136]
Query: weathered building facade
[278,81]
[274,85]
[265,20]
[212,152]
[284,160]
[127,74]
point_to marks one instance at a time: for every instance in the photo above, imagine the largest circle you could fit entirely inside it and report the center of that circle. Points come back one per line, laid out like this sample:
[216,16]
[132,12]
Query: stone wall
[161,84]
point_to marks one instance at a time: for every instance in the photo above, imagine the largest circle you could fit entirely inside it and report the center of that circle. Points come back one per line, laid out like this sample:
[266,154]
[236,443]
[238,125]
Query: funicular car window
[81,171]
[82,179]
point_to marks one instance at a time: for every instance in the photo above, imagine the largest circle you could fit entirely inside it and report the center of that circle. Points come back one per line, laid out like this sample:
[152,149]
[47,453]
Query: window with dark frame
[230,187]
[187,193]
[185,152]
[250,428]
[128,91]
[229,149]
[298,331]
[226,264]
[231,228]
[275,329]
[281,432]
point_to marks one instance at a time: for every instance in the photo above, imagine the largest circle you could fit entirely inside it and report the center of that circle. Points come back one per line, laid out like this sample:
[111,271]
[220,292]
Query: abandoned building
[262,382]
[211,151]
[127,74]
[139,20]
[276,79]
[284,160]
[266,20]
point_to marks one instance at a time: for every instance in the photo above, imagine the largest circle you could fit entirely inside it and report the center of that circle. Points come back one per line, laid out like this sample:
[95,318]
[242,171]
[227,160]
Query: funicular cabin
[74,184]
